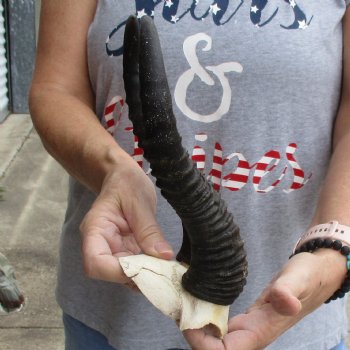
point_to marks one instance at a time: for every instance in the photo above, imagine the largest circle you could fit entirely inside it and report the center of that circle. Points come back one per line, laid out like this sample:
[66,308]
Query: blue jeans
[340,346]
[79,336]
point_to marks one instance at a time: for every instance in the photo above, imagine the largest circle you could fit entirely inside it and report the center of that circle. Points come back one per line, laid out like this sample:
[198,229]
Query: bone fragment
[160,282]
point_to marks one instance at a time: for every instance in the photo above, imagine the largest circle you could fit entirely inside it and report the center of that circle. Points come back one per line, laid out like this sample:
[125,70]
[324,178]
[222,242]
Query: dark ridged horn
[218,267]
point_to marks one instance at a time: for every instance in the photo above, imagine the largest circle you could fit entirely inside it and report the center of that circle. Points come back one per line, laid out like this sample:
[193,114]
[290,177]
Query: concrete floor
[31,215]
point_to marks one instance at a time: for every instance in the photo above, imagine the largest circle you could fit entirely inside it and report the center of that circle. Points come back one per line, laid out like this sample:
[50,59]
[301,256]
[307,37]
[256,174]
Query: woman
[260,106]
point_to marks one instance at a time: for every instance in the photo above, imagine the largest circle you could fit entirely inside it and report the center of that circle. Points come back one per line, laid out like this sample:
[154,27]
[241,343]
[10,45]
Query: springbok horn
[218,267]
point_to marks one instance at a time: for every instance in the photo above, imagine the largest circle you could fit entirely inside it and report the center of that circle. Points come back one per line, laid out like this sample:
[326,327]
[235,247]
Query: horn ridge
[212,244]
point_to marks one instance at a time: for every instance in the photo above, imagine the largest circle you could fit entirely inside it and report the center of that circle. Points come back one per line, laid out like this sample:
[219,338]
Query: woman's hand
[121,222]
[304,283]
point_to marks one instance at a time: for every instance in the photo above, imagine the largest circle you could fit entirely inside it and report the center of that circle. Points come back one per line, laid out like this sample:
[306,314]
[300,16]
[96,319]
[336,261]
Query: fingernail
[163,248]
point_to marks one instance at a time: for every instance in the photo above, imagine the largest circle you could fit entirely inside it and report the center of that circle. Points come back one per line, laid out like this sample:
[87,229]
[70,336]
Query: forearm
[73,135]
[61,99]
[334,201]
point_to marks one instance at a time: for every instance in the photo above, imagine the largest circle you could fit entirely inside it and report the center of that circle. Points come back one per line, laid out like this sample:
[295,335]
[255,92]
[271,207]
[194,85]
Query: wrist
[330,242]
[116,165]
[331,230]
[333,265]
[125,178]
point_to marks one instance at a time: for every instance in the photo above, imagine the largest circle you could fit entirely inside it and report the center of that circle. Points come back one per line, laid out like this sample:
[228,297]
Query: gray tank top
[255,88]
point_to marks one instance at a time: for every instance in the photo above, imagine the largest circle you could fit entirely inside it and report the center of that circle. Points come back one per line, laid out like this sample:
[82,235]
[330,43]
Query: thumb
[284,295]
[148,233]
[286,291]
[298,286]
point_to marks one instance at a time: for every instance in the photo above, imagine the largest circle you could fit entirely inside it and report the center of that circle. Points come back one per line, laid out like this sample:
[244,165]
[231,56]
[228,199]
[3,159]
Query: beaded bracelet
[317,243]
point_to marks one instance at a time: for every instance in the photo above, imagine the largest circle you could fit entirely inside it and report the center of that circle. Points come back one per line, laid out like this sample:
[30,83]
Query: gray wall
[22,36]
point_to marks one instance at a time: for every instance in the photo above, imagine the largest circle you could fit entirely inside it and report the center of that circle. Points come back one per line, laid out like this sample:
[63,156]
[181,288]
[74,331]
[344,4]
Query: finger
[257,329]
[199,340]
[147,232]
[284,298]
[294,284]
[281,296]
[99,263]
[241,340]
[130,245]
[287,291]
[106,214]
[237,340]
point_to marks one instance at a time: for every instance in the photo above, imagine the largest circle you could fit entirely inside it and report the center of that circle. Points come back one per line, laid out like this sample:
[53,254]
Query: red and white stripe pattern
[216,173]
[138,151]
[198,153]
[262,168]
[198,156]
[299,176]
[237,179]
[113,113]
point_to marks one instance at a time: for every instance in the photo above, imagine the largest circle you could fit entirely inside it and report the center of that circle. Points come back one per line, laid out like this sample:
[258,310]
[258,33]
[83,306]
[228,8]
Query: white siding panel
[3,65]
